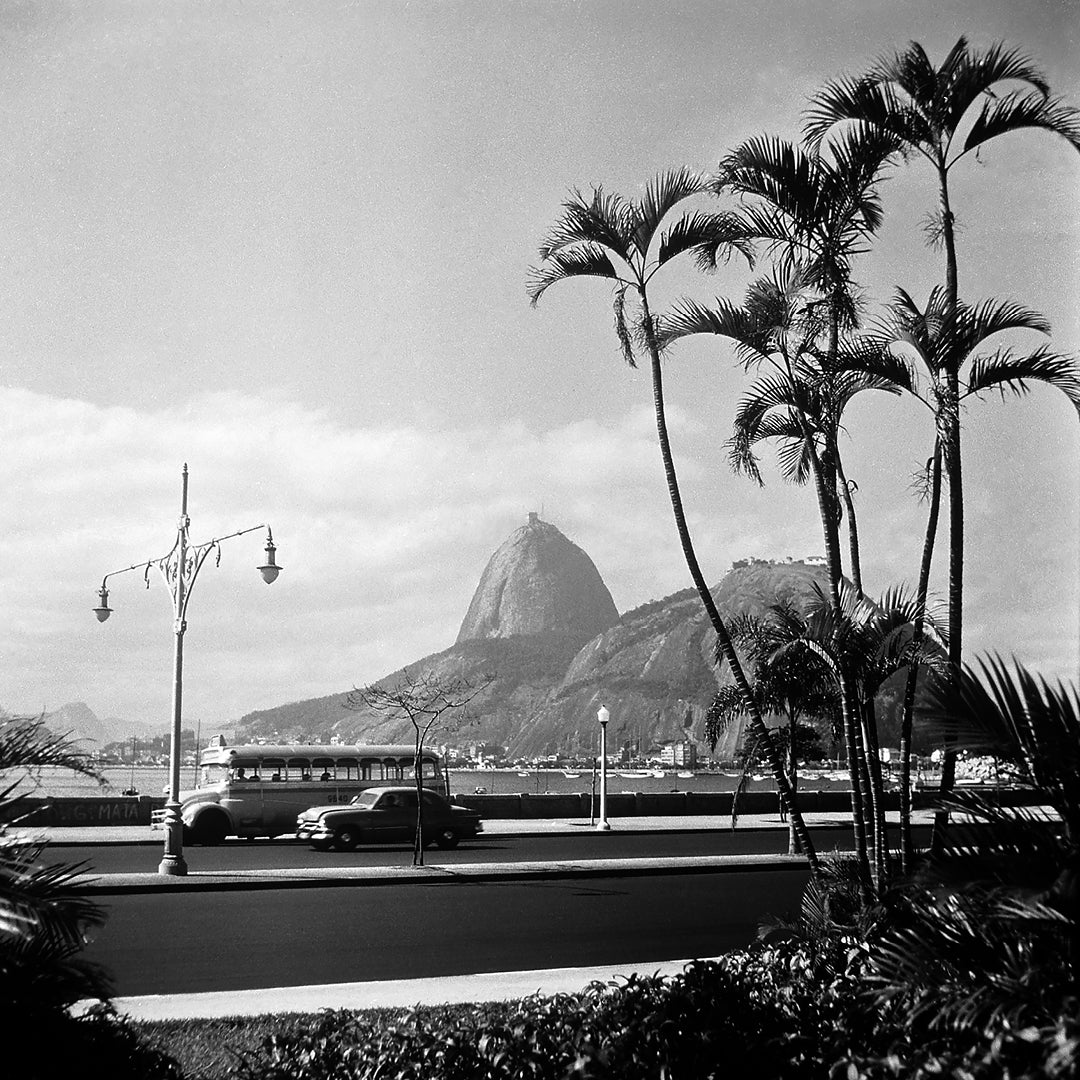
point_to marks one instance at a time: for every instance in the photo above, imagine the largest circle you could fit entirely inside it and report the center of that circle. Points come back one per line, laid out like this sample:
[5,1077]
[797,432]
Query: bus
[258,790]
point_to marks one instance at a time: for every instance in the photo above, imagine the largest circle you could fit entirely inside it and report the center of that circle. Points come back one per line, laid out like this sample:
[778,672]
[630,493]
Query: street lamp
[603,716]
[180,568]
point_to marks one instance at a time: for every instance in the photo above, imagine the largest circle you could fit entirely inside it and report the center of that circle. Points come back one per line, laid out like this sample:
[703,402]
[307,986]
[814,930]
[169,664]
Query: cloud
[383,530]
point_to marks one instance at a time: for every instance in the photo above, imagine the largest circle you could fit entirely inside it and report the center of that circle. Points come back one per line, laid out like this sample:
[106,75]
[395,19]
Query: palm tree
[813,214]
[43,916]
[859,647]
[991,931]
[803,413]
[954,363]
[924,108]
[619,239]
[793,687]
[800,402]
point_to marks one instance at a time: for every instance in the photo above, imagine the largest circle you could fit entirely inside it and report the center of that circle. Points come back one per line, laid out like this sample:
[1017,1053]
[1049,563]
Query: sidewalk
[511,827]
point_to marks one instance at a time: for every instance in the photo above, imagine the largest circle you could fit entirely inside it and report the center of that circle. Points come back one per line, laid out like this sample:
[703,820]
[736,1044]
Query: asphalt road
[170,943]
[280,854]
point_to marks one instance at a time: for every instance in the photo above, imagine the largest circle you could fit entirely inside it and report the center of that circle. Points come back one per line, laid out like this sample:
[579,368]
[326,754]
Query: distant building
[680,754]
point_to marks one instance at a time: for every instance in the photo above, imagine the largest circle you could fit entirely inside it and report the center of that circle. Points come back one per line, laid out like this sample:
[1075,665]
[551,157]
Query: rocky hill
[544,623]
[539,599]
[539,582]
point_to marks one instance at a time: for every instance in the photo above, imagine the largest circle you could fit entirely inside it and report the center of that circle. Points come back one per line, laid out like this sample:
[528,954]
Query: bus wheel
[210,829]
[448,838]
[347,839]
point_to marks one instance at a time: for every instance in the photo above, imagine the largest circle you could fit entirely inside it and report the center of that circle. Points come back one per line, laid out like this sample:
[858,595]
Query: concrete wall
[136,810]
[92,810]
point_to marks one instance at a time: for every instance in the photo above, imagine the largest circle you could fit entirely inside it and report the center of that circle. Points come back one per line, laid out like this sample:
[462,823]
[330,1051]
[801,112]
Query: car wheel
[321,845]
[210,829]
[347,839]
[448,838]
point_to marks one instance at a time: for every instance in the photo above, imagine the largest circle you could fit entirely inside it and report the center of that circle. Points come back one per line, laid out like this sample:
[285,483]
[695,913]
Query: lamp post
[603,716]
[180,567]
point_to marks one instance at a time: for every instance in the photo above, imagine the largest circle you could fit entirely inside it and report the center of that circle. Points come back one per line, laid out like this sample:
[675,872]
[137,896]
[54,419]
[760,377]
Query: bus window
[212,775]
[427,769]
[299,769]
[371,769]
[322,769]
[243,770]
[273,768]
[348,769]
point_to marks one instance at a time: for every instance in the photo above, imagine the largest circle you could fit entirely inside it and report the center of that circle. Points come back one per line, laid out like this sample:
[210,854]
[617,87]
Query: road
[268,855]
[198,941]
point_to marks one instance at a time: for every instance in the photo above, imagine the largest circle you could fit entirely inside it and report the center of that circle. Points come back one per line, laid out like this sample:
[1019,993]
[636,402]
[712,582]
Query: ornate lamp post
[603,716]
[180,568]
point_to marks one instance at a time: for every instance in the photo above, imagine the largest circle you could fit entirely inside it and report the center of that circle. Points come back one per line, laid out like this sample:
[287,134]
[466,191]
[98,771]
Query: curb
[237,880]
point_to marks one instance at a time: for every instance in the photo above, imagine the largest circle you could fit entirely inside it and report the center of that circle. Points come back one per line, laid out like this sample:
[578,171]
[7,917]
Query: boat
[525,775]
[686,774]
[636,774]
[571,775]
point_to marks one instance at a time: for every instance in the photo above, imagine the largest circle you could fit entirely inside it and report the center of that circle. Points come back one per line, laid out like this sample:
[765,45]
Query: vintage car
[386,815]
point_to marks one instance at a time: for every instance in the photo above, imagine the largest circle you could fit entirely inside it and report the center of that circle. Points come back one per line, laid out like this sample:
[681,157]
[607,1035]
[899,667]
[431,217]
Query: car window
[365,798]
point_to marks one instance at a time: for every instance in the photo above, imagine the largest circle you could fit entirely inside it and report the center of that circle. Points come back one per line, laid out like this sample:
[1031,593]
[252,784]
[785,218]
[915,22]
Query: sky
[287,244]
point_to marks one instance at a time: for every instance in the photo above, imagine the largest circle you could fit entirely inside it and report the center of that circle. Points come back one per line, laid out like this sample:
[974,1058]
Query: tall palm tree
[779,328]
[954,363]
[813,214]
[619,239]
[924,108]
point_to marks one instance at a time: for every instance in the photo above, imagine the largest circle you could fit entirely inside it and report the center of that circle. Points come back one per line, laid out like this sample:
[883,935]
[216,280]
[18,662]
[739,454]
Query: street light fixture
[603,716]
[180,568]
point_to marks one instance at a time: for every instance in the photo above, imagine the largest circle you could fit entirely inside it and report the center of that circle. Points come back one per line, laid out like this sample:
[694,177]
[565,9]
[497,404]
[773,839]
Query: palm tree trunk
[907,847]
[852,734]
[793,773]
[724,643]
[877,797]
[956,501]
[852,526]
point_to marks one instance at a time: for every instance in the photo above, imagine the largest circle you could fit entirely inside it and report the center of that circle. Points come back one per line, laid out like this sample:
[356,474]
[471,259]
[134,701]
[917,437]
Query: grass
[205,1049]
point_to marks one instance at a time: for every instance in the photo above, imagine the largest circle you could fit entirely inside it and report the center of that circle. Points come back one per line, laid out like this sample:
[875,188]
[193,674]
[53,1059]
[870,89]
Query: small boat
[525,774]
[635,774]
[571,775]
[685,775]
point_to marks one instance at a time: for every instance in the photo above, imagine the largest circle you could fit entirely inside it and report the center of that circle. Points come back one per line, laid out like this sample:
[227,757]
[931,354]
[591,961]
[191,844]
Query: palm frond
[604,219]
[1005,371]
[585,260]
[1017,111]
[708,235]
[662,194]
[687,317]
[862,100]
[1021,717]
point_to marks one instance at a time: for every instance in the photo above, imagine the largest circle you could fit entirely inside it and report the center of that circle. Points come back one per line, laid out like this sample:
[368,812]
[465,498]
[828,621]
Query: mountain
[539,582]
[655,670]
[94,733]
[542,620]
[539,600]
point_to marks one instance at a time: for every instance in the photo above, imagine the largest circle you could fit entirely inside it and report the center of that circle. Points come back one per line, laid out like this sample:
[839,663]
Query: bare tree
[431,703]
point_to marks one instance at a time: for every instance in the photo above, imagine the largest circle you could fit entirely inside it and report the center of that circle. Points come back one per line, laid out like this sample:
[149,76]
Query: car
[386,815]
